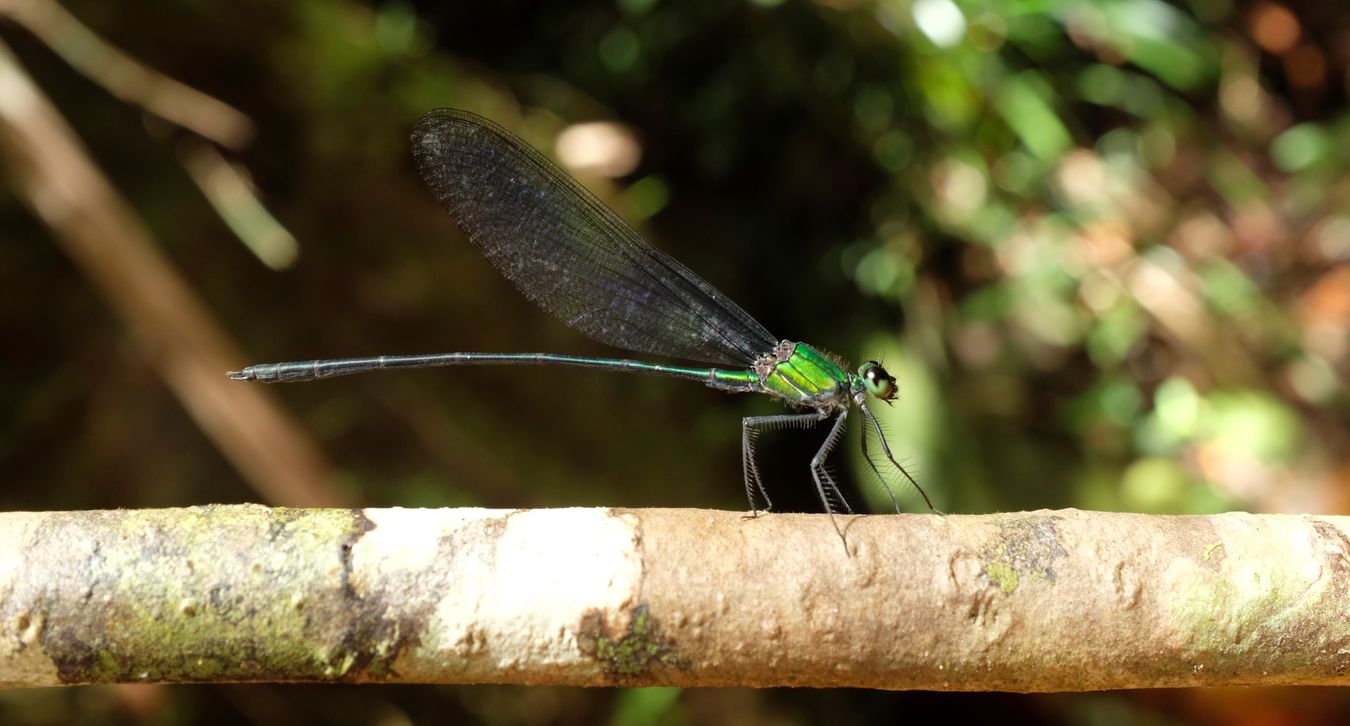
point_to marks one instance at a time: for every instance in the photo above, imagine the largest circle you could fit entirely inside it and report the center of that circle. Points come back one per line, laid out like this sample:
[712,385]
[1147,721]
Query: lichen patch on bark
[185,595]
[633,653]
[1024,549]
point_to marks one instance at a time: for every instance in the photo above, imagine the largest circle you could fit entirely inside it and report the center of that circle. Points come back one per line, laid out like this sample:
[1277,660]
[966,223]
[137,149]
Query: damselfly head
[877,381]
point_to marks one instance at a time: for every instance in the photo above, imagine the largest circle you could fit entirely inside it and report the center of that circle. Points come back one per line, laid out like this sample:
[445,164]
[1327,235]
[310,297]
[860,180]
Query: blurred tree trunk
[102,234]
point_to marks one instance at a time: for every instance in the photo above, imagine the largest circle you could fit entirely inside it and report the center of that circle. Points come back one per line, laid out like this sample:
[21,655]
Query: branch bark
[1033,601]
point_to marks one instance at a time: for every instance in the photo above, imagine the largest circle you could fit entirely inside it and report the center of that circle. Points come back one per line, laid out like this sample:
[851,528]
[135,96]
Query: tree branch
[1034,601]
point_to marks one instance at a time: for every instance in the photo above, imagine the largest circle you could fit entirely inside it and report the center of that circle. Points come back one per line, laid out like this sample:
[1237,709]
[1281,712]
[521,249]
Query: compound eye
[877,381]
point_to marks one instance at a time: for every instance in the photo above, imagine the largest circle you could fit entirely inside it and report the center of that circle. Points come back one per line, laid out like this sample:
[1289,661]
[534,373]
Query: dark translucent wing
[568,252]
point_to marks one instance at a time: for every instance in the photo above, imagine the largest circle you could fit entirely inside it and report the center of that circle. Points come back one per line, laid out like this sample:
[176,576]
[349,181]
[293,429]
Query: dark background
[1104,247]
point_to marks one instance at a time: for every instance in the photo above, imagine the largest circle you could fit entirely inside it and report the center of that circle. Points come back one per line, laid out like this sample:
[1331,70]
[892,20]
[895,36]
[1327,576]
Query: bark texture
[1031,601]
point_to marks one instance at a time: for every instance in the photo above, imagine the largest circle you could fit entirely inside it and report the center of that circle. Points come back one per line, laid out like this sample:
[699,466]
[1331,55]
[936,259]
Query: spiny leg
[885,447]
[822,477]
[751,424]
[868,458]
[837,498]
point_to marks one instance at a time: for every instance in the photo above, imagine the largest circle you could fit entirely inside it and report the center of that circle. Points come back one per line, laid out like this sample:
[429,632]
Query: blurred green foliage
[1105,245]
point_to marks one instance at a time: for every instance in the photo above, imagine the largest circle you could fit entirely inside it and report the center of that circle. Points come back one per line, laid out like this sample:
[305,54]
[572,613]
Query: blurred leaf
[949,101]
[1161,39]
[1154,485]
[620,49]
[1234,179]
[1115,333]
[1301,147]
[647,196]
[641,706]
[1252,422]
[1229,289]
[1024,106]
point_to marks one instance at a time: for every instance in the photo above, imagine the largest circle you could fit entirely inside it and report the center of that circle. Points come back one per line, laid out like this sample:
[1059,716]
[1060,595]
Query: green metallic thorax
[803,375]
